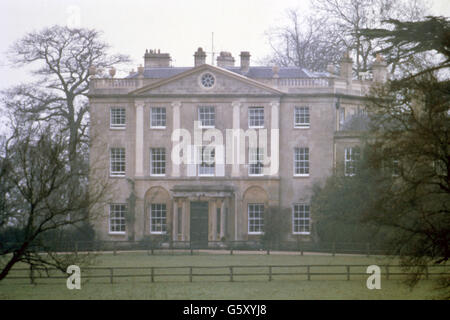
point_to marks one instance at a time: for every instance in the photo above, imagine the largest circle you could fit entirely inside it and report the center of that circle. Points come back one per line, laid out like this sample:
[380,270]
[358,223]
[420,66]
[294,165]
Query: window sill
[256,175]
[301,175]
[117,128]
[256,127]
[302,127]
[156,232]
[302,233]
[157,175]
[256,233]
[207,127]
[117,175]
[117,233]
[158,128]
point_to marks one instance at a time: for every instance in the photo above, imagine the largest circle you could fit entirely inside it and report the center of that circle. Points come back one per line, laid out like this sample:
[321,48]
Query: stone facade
[300,110]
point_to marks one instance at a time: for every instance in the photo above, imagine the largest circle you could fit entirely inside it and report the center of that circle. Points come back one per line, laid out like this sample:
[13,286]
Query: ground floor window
[158,217]
[117,213]
[255,218]
[300,218]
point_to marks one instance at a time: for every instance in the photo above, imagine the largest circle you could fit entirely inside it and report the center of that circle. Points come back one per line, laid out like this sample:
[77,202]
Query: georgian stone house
[176,144]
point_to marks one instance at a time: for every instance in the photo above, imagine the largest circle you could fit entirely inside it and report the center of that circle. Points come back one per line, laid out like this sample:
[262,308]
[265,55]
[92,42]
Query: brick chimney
[245,61]
[156,59]
[225,59]
[199,57]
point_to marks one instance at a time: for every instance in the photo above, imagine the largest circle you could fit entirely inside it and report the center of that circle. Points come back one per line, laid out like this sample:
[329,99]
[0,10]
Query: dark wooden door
[199,224]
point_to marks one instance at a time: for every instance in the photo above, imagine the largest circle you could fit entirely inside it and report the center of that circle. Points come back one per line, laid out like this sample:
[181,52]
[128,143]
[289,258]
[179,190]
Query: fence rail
[233,272]
[189,247]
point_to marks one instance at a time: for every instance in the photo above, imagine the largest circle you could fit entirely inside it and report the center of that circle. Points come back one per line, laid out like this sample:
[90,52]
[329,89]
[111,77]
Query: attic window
[207,80]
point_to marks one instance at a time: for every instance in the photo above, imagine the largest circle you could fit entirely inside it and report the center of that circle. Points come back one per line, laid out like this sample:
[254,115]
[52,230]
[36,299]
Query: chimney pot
[199,57]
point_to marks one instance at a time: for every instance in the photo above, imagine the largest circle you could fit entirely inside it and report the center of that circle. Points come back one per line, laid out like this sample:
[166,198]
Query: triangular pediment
[190,82]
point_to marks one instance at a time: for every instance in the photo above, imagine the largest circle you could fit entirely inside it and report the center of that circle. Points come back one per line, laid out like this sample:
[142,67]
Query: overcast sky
[174,26]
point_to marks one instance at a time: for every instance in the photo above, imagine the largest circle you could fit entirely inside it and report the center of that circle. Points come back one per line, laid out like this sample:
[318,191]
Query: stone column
[275,139]
[214,220]
[176,125]
[222,219]
[183,219]
[236,146]
[139,154]
[175,220]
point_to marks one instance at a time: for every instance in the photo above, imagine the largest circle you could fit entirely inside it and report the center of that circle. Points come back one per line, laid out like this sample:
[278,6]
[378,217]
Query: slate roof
[254,72]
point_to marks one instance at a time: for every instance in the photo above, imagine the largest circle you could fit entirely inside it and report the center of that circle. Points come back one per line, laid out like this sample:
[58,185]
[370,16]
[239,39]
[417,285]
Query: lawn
[219,287]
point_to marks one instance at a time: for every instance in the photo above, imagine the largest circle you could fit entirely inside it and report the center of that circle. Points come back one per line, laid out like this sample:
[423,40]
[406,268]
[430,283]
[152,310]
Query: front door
[199,224]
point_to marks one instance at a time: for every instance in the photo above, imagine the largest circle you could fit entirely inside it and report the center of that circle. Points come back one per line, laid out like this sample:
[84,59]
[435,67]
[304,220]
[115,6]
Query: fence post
[231,274]
[268,251]
[111,272]
[114,248]
[190,274]
[152,274]
[308,272]
[270,273]
[387,272]
[348,273]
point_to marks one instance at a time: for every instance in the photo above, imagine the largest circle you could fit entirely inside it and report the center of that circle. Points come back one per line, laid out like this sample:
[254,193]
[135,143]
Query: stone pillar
[183,219]
[176,125]
[235,152]
[222,219]
[175,220]
[214,220]
[274,140]
[139,154]
[379,69]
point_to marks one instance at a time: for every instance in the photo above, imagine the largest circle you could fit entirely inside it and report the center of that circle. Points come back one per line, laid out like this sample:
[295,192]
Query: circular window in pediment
[207,80]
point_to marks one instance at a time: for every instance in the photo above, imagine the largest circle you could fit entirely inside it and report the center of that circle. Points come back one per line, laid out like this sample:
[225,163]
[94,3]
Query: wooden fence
[231,273]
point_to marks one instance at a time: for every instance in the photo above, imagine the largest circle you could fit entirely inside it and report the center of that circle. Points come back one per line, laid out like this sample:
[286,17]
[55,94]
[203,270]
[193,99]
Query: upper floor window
[158,161]
[207,117]
[352,156]
[117,162]
[117,212]
[301,161]
[301,117]
[300,218]
[158,117]
[117,118]
[255,218]
[255,161]
[256,117]
[206,166]
[158,218]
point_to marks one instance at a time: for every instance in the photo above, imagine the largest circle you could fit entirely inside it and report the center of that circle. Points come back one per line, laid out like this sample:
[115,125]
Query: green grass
[219,287]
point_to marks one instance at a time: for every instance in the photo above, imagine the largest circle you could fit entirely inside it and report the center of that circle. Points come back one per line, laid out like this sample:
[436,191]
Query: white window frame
[200,166]
[303,163]
[259,219]
[122,116]
[299,111]
[213,113]
[252,118]
[163,218]
[298,218]
[117,173]
[153,161]
[349,154]
[153,112]
[255,157]
[122,223]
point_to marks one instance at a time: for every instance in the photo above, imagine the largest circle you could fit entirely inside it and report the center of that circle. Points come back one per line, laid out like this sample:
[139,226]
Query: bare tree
[302,43]
[319,37]
[61,58]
